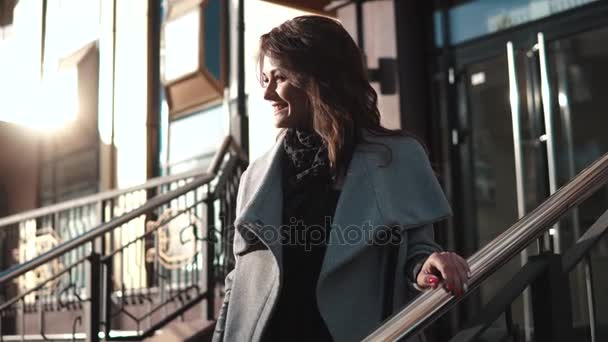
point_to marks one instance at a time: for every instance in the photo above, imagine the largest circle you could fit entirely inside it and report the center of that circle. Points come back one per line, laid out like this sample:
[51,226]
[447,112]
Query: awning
[316,6]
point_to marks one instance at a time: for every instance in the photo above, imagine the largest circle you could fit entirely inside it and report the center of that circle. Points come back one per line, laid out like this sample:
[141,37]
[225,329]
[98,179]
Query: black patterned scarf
[307,157]
[307,175]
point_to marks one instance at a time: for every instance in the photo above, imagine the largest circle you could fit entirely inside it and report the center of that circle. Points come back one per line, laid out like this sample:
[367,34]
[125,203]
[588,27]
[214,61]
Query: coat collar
[372,198]
[262,210]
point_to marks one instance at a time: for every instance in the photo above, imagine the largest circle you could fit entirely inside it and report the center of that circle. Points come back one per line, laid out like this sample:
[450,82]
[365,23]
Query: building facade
[507,96]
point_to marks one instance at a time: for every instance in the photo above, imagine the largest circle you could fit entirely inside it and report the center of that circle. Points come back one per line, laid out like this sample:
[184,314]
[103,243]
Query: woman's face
[290,105]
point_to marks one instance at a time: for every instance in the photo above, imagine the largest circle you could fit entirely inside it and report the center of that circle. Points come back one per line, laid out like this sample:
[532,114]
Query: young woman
[334,224]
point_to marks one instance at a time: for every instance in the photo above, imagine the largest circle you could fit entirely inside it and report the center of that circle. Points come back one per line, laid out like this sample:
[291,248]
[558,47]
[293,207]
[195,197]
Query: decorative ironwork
[45,241]
[155,258]
[177,240]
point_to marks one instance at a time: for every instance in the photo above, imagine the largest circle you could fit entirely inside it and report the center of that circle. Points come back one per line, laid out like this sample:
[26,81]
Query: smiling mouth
[278,107]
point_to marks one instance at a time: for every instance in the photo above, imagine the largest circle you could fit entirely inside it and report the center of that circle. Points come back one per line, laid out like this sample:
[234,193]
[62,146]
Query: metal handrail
[503,299]
[10,302]
[107,227]
[102,229]
[431,304]
[213,168]
[530,273]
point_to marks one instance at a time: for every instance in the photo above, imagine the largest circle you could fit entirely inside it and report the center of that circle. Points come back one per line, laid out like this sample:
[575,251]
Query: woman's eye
[280,78]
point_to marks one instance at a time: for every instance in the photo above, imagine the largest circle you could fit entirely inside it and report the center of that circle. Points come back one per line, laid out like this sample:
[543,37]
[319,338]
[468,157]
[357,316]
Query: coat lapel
[262,211]
[377,198]
[373,198]
[355,220]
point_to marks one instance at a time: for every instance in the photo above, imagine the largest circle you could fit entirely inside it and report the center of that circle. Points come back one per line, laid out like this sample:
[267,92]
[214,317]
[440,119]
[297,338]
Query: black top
[308,209]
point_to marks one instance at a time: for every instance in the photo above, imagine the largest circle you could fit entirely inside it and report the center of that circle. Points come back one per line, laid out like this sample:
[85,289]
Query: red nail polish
[432,280]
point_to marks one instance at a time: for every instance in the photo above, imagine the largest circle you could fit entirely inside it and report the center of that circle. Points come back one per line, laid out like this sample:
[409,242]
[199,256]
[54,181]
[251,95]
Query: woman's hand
[447,268]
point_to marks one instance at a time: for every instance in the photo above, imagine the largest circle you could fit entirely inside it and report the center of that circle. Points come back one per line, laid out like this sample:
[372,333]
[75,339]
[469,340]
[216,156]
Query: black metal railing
[34,232]
[147,262]
[547,273]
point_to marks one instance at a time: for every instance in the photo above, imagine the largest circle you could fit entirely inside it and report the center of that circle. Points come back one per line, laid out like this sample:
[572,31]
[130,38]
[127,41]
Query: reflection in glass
[579,70]
[194,139]
[493,16]
[181,46]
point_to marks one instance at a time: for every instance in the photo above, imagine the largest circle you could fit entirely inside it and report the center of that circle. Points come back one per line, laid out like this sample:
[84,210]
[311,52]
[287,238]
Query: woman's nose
[269,92]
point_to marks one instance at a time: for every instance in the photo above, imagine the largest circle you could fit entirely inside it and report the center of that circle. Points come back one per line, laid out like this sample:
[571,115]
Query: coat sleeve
[220,325]
[421,244]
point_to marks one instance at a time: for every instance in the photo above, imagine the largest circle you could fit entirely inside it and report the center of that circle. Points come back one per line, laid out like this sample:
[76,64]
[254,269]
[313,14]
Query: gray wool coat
[376,197]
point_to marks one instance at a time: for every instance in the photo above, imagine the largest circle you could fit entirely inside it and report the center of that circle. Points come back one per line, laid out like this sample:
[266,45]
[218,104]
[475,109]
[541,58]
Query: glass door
[532,116]
[578,76]
[503,156]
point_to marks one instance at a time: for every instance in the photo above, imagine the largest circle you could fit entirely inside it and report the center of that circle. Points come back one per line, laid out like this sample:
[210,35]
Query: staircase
[124,265]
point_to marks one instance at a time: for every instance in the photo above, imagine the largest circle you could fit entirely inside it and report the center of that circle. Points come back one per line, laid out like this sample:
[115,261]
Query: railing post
[590,298]
[93,304]
[108,287]
[552,310]
[209,256]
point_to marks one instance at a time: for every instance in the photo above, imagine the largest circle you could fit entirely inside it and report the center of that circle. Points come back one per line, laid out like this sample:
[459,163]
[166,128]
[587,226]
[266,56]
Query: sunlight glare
[47,106]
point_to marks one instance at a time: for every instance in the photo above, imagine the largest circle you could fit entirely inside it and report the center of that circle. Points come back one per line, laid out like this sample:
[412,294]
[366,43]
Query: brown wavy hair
[319,56]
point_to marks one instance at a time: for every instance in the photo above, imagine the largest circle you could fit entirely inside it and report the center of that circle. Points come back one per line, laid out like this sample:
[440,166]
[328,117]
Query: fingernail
[432,280]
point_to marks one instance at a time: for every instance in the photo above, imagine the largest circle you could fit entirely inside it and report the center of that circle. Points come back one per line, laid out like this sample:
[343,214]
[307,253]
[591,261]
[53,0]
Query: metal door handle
[550,138]
[514,99]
